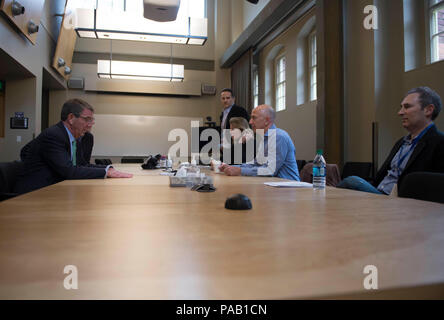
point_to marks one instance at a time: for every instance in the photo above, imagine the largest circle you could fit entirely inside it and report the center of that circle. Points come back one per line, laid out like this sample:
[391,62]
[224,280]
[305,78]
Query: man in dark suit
[421,150]
[231,110]
[52,156]
[84,149]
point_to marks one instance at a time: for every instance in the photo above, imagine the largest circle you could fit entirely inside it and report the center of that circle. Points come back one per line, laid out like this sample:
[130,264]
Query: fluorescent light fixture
[130,70]
[109,24]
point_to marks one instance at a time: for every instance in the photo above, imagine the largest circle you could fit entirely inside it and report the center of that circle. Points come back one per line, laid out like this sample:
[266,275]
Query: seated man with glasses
[422,150]
[52,156]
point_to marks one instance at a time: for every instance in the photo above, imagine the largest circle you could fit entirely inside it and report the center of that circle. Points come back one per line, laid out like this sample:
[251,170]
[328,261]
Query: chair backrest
[131,160]
[301,164]
[427,186]
[360,169]
[9,172]
[332,175]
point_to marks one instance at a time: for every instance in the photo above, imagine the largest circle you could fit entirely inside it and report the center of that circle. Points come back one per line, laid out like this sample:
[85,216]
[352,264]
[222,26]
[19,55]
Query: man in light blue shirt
[276,153]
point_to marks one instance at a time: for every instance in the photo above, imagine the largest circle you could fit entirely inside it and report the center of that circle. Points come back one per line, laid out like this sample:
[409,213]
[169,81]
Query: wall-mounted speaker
[208,89]
[76,83]
[19,123]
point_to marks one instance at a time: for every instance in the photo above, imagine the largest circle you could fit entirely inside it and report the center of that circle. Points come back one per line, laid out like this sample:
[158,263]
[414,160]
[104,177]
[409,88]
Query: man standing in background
[231,110]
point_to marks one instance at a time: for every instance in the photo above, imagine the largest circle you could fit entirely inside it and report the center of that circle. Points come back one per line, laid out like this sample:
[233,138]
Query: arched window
[313,65]
[270,74]
[436,14]
[280,83]
[255,88]
[306,63]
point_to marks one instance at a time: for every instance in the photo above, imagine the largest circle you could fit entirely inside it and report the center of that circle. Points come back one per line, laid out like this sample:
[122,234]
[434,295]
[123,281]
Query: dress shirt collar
[71,137]
[273,127]
[227,110]
[408,138]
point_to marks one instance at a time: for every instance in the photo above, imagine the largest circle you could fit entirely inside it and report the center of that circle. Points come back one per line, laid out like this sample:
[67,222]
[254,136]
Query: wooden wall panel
[33,12]
[330,109]
[65,44]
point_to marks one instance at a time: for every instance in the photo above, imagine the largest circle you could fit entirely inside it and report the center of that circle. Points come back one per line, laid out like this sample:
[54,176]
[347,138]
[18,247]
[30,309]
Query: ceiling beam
[268,20]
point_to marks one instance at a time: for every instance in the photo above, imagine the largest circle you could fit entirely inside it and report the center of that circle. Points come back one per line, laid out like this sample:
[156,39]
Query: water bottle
[193,170]
[319,171]
[169,163]
[162,162]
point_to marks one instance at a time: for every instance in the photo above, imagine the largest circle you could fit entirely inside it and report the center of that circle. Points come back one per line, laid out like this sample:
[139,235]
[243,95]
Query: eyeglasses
[88,119]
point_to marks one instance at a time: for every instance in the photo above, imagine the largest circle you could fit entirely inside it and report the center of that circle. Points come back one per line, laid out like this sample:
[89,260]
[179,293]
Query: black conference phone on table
[152,162]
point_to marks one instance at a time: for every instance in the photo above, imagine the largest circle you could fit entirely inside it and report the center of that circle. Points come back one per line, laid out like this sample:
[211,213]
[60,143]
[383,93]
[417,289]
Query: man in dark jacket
[231,110]
[84,150]
[52,156]
[421,150]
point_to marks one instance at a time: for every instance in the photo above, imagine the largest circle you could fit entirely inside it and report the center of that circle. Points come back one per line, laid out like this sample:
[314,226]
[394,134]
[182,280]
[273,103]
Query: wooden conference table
[140,239]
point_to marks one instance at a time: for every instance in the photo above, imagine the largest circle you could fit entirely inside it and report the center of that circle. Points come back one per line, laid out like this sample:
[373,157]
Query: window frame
[255,88]
[280,84]
[434,51]
[312,66]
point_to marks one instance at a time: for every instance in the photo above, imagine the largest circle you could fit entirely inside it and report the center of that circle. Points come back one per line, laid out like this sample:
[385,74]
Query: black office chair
[360,169]
[9,172]
[131,160]
[301,164]
[427,186]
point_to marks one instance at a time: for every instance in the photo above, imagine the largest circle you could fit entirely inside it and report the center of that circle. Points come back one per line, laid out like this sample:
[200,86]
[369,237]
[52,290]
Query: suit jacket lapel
[65,135]
[420,146]
[227,122]
[395,150]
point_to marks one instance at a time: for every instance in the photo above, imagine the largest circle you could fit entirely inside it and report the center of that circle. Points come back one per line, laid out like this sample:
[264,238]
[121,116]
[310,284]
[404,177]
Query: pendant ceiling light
[108,24]
[132,70]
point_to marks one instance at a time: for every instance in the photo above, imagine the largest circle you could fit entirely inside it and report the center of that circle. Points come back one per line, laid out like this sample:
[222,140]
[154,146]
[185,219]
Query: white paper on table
[289,184]
[169,174]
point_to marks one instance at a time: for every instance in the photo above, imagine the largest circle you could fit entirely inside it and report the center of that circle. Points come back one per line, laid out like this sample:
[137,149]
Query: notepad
[289,184]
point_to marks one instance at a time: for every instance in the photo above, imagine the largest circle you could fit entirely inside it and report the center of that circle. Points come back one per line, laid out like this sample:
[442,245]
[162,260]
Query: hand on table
[215,164]
[113,173]
[229,170]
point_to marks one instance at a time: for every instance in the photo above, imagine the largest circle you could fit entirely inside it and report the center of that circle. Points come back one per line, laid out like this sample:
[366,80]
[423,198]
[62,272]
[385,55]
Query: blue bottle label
[318,172]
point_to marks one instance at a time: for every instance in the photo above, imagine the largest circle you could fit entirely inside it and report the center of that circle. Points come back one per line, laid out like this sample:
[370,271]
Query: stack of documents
[289,184]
